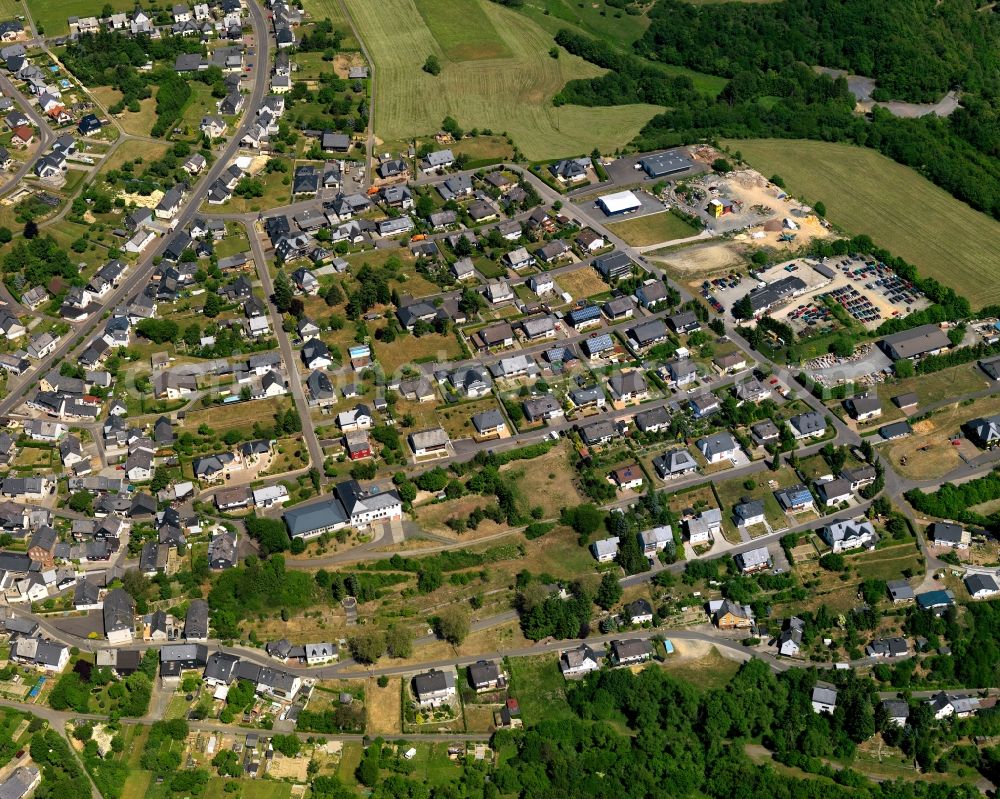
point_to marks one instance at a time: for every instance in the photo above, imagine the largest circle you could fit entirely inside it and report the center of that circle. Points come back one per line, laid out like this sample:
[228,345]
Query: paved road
[287,353]
[45,134]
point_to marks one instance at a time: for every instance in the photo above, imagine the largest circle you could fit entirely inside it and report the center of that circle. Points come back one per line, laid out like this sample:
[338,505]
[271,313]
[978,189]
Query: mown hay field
[496,73]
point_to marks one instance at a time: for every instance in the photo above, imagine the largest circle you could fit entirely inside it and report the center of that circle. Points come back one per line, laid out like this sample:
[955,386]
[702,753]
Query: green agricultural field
[512,94]
[462,29]
[599,19]
[10,9]
[865,192]
[51,17]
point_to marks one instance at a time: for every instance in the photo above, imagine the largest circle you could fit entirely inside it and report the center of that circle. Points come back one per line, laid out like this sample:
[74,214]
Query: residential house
[675,463]
[578,662]
[433,441]
[434,688]
[824,700]
[864,408]
[639,612]
[947,534]
[119,616]
[810,424]
[629,386]
[704,405]
[846,534]
[835,491]
[703,528]
[543,408]
[630,652]
[656,540]
[790,640]
[758,559]
[628,478]
[606,549]
[718,447]
[981,586]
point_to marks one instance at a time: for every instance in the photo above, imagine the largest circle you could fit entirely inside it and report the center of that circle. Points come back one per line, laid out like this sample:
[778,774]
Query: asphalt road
[287,353]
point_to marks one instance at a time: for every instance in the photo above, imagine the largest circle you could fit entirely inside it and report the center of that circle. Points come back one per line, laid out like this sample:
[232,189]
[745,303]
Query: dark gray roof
[119,611]
[196,621]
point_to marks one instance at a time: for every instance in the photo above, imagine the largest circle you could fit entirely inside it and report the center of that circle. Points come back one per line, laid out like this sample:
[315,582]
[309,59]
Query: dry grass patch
[560,554]
[383,707]
[413,349]
[433,517]
[548,480]
[582,282]
[238,415]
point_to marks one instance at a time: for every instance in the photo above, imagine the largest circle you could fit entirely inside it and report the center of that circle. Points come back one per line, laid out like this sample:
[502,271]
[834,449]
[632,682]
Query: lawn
[888,563]
[658,228]
[50,17]
[539,687]
[511,94]
[250,789]
[865,192]
[137,784]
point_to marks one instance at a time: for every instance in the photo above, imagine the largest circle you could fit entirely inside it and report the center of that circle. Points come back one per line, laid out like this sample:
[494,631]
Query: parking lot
[623,172]
[869,292]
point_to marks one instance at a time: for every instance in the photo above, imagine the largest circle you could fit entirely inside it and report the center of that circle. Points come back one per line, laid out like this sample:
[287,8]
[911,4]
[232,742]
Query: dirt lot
[928,452]
[294,768]
[701,260]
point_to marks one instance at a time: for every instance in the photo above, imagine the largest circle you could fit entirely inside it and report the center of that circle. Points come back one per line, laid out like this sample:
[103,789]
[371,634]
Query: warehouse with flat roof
[621,202]
[671,162]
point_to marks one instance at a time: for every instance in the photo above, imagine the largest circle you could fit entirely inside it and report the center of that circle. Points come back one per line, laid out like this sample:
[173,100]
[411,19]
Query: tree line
[773,91]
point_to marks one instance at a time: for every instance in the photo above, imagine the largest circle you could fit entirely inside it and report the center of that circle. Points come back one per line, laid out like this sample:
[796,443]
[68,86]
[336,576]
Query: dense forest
[768,52]
[682,743]
[915,49]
